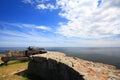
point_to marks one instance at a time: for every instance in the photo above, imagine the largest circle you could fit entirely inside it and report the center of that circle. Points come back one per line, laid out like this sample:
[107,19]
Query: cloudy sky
[60,23]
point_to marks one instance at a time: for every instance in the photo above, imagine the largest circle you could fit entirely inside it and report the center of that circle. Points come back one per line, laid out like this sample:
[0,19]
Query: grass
[10,72]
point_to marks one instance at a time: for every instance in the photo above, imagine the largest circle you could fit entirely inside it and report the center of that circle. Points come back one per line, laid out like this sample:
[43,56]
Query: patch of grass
[10,71]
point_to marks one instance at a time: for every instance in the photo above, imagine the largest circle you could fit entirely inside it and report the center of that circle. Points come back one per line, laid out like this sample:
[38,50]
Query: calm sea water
[104,55]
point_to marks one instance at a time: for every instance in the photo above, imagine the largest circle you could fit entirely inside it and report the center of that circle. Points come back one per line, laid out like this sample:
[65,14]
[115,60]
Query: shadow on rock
[41,68]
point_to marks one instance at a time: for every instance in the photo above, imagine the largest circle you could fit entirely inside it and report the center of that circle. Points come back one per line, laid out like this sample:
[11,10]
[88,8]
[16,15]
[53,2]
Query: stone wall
[15,53]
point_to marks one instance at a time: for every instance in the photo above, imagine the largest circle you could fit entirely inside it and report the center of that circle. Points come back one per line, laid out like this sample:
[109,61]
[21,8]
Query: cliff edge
[58,66]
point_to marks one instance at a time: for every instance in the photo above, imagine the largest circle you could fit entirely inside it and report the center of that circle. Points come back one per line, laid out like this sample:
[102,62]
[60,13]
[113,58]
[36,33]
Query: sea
[107,55]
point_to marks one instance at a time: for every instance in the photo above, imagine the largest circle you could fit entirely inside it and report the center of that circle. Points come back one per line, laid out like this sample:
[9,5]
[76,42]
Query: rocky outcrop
[58,66]
[13,55]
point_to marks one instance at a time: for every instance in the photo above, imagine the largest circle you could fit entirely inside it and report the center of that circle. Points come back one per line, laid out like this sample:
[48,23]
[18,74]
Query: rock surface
[58,66]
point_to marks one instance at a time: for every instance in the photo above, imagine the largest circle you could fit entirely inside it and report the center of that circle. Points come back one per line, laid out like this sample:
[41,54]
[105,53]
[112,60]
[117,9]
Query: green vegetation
[15,70]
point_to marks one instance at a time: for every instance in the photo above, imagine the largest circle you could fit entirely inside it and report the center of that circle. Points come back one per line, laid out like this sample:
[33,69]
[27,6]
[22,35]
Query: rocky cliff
[58,66]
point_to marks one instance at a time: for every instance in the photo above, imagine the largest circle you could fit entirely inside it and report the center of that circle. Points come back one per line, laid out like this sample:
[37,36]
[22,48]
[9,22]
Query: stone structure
[35,50]
[15,53]
[21,55]
[58,66]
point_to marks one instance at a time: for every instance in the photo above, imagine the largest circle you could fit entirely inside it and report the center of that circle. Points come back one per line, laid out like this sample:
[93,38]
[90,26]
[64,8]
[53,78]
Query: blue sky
[60,23]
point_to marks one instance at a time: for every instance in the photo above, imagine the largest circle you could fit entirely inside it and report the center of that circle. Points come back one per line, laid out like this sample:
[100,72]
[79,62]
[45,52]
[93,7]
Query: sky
[60,23]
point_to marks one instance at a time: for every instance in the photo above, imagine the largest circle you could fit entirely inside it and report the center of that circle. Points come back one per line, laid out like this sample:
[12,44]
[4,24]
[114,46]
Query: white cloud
[28,1]
[25,44]
[34,1]
[30,36]
[87,20]
[50,6]
[47,6]
[23,33]
[41,6]
[17,35]
[44,28]
[29,26]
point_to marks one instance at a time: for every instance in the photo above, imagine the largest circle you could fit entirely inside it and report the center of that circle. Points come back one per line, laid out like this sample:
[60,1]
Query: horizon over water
[108,55]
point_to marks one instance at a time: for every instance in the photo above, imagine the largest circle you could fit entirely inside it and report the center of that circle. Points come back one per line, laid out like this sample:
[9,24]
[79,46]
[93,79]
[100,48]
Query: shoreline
[91,70]
[3,54]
